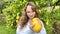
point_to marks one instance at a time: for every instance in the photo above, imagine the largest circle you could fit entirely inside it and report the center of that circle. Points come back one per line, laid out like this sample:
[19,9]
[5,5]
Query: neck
[30,20]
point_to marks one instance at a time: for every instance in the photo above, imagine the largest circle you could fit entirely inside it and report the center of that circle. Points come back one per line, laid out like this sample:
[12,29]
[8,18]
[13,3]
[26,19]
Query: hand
[31,25]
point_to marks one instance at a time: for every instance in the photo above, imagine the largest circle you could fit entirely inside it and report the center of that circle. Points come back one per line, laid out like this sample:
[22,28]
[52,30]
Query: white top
[27,30]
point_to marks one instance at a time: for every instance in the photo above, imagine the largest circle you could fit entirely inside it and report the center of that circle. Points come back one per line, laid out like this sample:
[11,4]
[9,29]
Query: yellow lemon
[11,24]
[17,17]
[47,22]
[37,25]
[40,11]
[16,20]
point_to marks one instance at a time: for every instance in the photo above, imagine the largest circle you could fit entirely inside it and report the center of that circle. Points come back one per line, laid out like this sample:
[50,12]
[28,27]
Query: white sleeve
[43,31]
[41,22]
[18,30]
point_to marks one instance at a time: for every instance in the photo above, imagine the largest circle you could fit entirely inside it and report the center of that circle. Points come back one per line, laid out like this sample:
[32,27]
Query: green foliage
[56,14]
[4,30]
[48,18]
[15,9]
[54,1]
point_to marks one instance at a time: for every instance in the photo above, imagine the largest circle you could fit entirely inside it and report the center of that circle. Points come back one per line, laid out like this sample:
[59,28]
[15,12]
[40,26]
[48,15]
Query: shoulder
[39,20]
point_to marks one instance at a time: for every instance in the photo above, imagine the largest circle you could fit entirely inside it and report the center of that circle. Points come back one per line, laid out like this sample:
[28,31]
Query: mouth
[31,16]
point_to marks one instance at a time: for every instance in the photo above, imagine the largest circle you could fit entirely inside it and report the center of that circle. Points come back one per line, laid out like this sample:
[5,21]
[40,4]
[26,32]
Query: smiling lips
[31,16]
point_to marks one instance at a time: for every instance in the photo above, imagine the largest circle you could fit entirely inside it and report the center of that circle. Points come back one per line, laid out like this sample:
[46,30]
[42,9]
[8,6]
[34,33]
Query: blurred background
[11,10]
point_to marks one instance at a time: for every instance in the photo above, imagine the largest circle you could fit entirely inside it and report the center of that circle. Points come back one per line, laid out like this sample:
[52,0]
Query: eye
[33,11]
[28,11]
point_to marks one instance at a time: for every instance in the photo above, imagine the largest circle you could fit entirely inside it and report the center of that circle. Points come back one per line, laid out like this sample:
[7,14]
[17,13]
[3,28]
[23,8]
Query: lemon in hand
[37,25]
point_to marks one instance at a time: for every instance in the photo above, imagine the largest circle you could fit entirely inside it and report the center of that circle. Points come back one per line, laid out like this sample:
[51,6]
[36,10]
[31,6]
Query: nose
[30,13]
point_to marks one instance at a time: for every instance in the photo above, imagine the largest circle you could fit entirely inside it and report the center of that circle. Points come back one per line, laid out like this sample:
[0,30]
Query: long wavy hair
[24,18]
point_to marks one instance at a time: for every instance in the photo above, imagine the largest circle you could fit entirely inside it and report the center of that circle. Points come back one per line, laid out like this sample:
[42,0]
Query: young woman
[24,25]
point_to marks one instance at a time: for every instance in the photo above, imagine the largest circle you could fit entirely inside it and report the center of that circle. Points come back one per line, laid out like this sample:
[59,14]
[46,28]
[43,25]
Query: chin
[31,18]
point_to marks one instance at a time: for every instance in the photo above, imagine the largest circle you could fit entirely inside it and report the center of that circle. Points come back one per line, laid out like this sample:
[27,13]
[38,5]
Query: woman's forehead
[28,8]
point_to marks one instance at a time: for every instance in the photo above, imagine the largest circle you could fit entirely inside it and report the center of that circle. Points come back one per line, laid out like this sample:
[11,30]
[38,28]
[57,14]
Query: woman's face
[30,12]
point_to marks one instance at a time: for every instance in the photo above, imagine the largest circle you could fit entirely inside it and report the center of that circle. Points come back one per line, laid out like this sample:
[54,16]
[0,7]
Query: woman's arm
[18,30]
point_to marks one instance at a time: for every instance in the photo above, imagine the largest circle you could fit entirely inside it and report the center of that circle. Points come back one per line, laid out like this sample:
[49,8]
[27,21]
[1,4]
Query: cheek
[33,13]
[28,14]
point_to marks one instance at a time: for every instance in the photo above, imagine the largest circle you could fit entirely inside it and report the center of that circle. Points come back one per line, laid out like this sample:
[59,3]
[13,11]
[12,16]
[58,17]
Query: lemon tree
[13,12]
